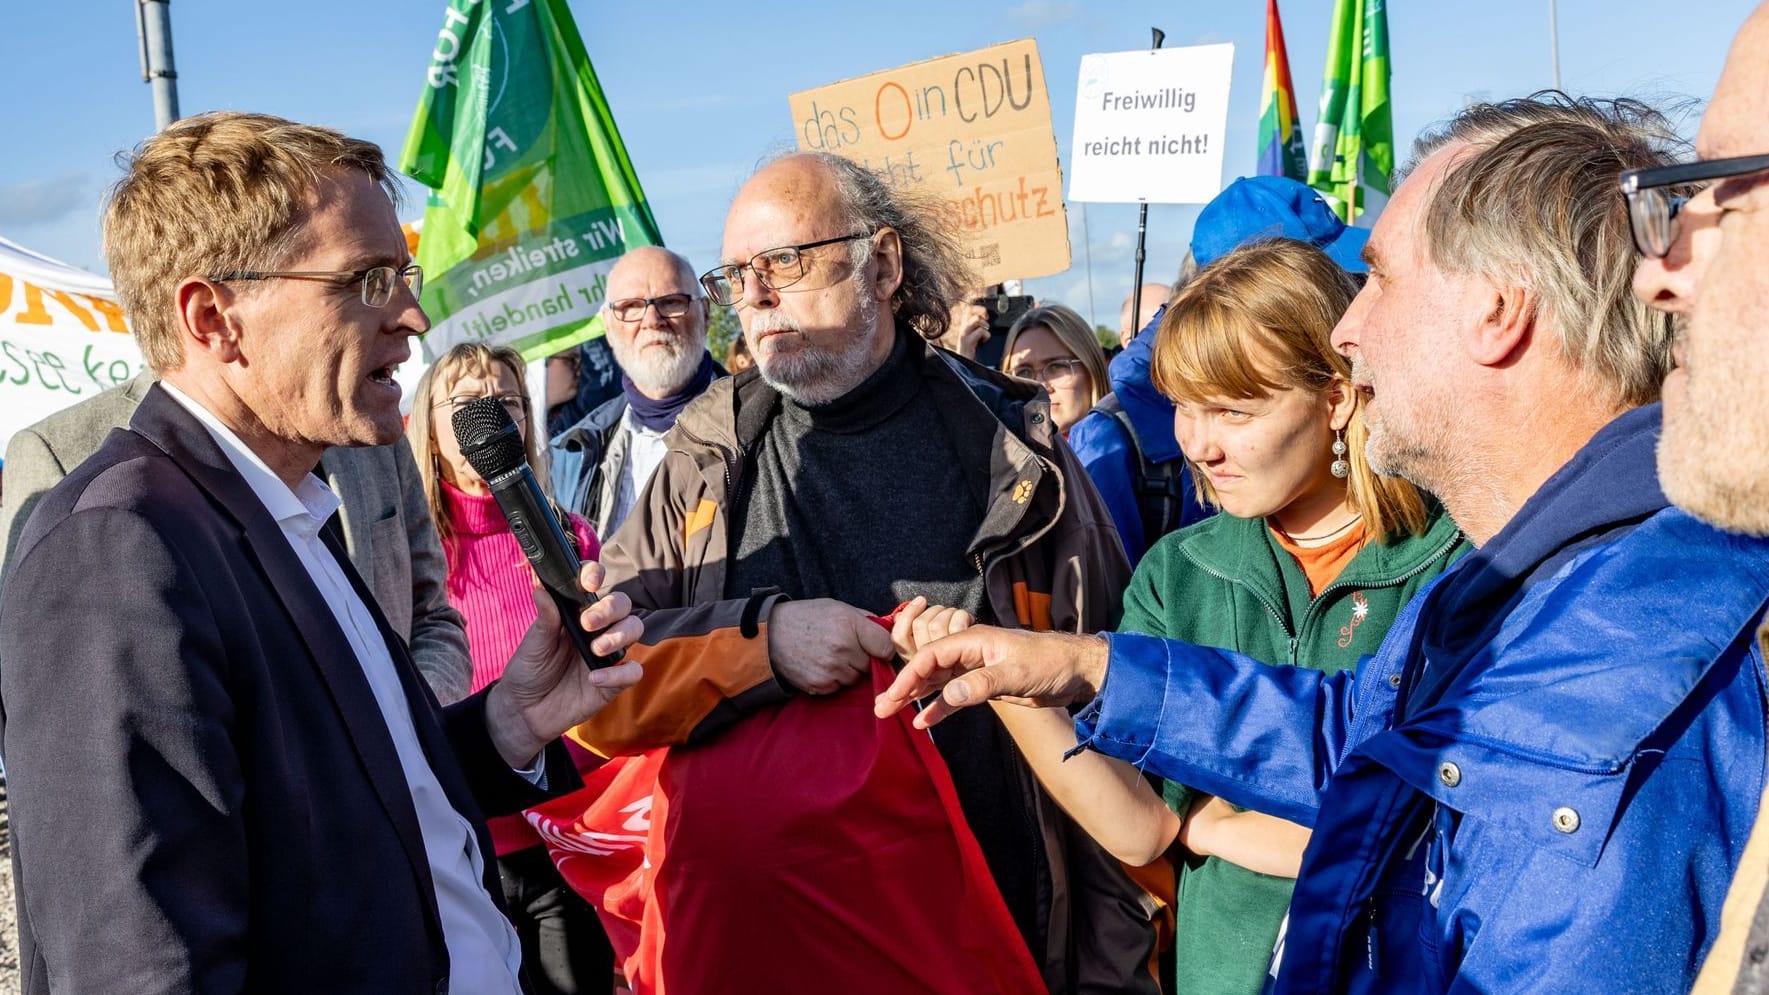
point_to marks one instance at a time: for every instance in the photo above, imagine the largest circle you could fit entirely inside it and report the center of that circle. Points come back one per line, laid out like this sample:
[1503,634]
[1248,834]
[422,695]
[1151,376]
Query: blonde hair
[212,194]
[1073,332]
[467,359]
[1259,320]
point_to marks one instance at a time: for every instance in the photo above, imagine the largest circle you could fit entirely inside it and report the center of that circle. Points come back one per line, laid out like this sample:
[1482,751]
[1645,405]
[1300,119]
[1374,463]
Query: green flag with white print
[532,196]
[1352,156]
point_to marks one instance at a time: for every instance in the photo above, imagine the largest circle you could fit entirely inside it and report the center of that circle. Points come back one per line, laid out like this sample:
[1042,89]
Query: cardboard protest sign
[1150,124]
[974,131]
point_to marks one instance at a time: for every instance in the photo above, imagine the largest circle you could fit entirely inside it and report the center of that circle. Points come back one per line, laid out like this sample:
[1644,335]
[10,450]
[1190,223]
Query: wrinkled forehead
[787,203]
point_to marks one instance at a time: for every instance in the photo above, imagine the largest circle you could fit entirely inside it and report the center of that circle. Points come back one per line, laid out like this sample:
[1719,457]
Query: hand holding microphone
[493,446]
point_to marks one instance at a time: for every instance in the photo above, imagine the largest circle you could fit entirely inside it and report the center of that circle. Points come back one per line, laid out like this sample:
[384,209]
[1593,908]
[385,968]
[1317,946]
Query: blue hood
[1608,487]
[1149,410]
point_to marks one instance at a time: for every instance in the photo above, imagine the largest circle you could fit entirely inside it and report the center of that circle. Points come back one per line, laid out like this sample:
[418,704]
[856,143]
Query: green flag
[532,194]
[1353,152]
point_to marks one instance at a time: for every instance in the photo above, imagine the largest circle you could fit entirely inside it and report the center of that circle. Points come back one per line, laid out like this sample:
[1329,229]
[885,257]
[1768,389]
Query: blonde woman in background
[1055,346]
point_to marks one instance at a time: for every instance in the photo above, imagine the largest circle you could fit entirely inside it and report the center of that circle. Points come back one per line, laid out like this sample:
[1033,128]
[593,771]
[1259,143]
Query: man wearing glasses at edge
[1545,776]
[383,517]
[224,772]
[1707,264]
[855,467]
[656,320]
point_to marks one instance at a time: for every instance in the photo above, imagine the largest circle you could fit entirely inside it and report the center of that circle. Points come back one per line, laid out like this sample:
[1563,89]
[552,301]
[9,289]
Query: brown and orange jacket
[1047,550]
[1049,557]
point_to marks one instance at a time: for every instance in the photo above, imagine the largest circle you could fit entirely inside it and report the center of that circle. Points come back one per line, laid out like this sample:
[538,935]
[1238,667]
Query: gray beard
[654,376]
[813,377]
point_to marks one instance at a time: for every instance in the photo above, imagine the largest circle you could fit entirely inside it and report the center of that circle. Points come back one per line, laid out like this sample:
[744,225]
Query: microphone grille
[488,438]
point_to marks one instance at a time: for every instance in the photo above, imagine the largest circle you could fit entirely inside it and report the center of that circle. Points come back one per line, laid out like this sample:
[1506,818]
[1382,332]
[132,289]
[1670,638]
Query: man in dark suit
[225,773]
[384,519]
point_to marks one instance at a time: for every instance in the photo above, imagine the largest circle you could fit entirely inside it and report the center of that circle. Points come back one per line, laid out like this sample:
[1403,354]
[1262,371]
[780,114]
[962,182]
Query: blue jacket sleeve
[1110,460]
[1260,736]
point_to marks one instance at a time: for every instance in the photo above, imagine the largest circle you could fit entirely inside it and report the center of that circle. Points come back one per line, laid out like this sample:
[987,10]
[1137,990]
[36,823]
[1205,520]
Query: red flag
[811,848]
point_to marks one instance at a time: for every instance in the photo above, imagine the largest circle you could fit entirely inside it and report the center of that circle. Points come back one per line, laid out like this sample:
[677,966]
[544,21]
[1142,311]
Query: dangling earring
[1340,467]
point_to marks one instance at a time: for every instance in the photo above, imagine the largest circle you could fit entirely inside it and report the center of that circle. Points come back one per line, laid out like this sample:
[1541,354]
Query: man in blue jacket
[1707,264]
[1545,776]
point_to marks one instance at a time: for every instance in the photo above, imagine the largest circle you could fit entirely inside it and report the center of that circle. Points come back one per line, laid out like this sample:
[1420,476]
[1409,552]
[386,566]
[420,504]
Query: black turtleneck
[862,499]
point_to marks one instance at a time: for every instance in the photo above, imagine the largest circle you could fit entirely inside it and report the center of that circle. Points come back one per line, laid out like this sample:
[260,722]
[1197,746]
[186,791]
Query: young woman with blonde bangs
[1309,565]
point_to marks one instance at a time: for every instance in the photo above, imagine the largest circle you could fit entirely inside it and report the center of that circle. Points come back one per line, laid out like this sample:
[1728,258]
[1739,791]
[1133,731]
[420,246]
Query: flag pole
[1142,230]
[154,32]
[1554,41]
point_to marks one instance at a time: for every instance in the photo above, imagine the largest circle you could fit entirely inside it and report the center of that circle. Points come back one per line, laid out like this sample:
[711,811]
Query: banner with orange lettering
[972,130]
[62,337]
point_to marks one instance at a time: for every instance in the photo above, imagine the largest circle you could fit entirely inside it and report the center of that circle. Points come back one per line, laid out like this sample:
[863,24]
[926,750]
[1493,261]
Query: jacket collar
[731,415]
[1240,549]
[1609,486]
[161,421]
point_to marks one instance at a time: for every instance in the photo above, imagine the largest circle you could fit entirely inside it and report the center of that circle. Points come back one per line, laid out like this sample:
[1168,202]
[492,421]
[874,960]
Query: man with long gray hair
[855,467]
[1544,777]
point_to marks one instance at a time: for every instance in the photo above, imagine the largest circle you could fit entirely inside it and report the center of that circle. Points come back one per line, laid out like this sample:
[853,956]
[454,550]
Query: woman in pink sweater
[563,947]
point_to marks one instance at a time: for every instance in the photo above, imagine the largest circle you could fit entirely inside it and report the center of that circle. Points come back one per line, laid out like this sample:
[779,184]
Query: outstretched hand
[547,689]
[984,662]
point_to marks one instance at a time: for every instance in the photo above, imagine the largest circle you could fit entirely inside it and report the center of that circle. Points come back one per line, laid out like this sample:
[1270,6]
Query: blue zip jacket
[1544,778]
[1107,453]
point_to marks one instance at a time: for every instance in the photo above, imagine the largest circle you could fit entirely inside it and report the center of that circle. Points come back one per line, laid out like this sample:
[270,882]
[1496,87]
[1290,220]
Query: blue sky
[700,89]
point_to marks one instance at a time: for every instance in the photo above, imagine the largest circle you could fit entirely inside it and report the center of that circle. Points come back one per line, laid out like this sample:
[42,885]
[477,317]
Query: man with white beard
[656,320]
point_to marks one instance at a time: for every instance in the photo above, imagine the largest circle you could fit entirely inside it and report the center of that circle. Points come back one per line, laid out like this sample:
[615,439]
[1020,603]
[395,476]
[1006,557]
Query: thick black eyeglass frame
[1648,207]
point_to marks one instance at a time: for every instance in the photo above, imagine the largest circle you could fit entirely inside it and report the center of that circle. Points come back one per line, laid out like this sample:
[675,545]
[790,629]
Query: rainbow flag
[1280,133]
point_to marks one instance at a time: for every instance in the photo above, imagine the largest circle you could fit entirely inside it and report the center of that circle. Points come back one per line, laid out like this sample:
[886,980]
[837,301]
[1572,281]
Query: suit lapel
[162,421]
[423,705]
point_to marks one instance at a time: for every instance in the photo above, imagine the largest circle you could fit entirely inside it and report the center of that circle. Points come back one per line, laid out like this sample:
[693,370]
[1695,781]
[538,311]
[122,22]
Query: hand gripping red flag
[811,848]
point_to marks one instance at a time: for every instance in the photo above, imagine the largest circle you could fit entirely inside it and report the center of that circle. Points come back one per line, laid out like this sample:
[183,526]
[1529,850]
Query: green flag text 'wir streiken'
[532,194]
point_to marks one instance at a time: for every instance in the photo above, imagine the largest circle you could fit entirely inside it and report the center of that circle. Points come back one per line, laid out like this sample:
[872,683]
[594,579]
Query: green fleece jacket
[1226,582]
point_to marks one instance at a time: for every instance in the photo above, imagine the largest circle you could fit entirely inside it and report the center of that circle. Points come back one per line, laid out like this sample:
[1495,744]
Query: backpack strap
[1160,487]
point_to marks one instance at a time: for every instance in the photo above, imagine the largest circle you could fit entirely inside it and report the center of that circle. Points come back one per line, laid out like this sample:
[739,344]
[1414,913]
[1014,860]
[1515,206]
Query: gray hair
[935,275]
[1536,203]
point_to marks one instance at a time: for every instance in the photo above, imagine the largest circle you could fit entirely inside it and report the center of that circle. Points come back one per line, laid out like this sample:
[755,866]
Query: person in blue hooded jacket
[1127,460]
[1544,778]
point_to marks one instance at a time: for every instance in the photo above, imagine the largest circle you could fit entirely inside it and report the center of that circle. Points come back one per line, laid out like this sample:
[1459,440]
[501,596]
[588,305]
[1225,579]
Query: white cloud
[38,202]
[1042,13]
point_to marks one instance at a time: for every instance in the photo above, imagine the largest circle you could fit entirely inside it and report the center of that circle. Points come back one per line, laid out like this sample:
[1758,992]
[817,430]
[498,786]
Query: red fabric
[811,848]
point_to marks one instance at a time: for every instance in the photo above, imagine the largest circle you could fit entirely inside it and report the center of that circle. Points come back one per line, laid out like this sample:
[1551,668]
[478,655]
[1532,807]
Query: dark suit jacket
[204,794]
[385,518]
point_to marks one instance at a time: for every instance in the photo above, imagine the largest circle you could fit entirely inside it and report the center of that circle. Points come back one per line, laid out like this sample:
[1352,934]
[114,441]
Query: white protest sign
[1150,124]
[62,337]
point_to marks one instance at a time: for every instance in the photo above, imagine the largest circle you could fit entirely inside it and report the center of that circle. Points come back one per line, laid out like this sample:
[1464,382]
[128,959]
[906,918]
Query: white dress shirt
[645,449]
[483,953]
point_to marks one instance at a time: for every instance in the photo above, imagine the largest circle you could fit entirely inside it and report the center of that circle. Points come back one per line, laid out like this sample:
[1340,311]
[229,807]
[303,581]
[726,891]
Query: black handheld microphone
[493,447]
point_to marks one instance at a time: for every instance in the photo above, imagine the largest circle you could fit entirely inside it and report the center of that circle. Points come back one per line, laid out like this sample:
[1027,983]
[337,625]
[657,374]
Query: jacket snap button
[1449,774]
[1037,418]
[1394,680]
[1566,820]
